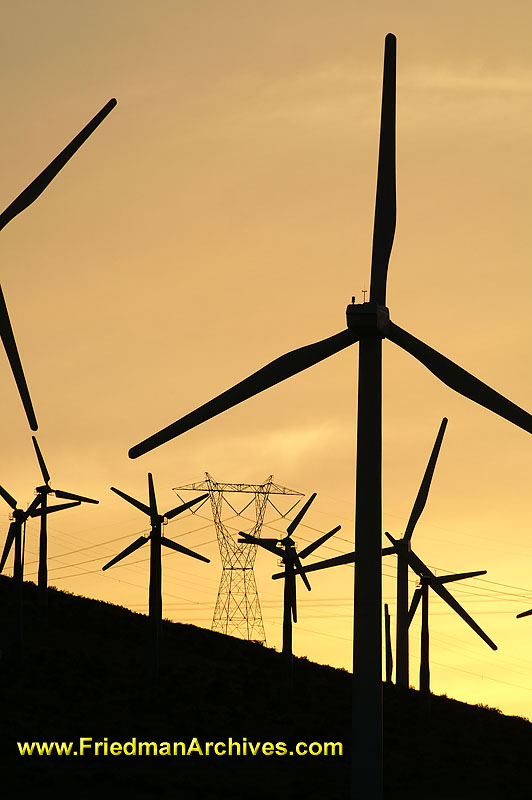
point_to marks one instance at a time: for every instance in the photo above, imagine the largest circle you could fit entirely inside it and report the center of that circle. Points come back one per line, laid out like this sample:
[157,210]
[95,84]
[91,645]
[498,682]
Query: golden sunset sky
[223,215]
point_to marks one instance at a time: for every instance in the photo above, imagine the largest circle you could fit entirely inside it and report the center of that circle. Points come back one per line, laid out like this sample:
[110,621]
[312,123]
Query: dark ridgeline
[368,323]
[156,539]
[20,203]
[214,686]
[14,538]
[42,493]
[285,549]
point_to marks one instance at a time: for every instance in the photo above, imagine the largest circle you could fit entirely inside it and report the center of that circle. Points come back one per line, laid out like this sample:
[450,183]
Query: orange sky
[221,216]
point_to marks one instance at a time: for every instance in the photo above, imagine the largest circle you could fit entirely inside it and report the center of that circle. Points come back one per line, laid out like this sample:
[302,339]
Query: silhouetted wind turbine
[20,203]
[428,580]
[156,540]
[42,493]
[367,323]
[406,557]
[402,548]
[285,549]
[14,537]
[436,584]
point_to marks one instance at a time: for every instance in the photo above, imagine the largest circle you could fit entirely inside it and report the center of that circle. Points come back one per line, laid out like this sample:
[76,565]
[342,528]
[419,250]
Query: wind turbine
[368,323]
[20,203]
[285,549]
[428,581]
[401,548]
[156,539]
[42,493]
[14,537]
[407,558]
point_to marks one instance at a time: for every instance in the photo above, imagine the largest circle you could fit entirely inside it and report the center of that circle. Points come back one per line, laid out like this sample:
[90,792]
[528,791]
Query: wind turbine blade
[32,506]
[7,497]
[416,597]
[132,500]
[70,496]
[8,340]
[385,204]
[273,373]
[299,568]
[418,566]
[250,539]
[300,514]
[267,544]
[151,494]
[423,492]
[11,533]
[458,379]
[460,576]
[247,538]
[524,614]
[40,459]
[37,186]
[179,509]
[314,546]
[421,569]
[39,512]
[129,549]
[337,561]
[455,605]
[181,549]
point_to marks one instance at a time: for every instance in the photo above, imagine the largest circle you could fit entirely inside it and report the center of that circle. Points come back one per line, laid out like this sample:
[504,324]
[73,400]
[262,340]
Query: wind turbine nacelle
[368,318]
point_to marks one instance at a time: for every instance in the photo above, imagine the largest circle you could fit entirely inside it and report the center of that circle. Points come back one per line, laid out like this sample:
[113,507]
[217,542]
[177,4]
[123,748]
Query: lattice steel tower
[237,611]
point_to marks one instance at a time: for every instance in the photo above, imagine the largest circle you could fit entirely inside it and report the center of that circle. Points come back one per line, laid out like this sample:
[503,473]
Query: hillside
[88,678]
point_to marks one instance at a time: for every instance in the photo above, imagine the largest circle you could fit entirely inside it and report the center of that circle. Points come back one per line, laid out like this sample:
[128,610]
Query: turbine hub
[368,318]
[287,542]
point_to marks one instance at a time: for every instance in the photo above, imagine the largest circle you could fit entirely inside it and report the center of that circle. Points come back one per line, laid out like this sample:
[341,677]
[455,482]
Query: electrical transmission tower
[237,611]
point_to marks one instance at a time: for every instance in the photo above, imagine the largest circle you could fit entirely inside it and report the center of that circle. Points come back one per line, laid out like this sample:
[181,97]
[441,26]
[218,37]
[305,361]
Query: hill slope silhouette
[88,677]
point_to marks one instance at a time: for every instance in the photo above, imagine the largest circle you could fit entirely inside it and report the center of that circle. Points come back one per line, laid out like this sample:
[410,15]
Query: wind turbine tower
[237,611]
